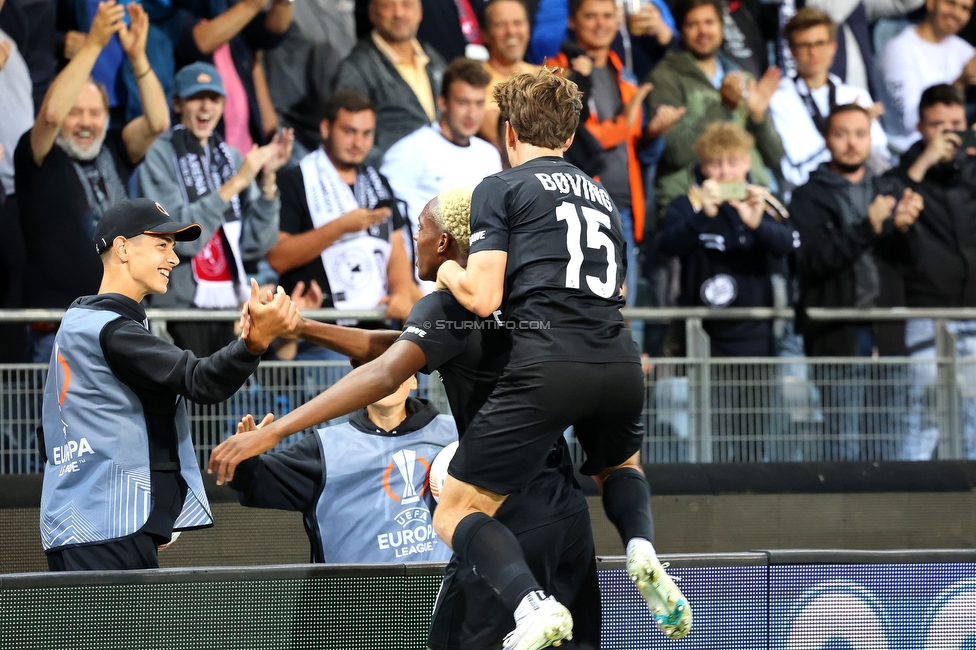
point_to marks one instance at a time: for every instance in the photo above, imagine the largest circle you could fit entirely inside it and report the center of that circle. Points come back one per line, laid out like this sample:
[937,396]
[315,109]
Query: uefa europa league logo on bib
[406,461]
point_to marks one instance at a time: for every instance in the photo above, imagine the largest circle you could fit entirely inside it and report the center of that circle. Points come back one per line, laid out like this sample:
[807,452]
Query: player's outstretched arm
[479,287]
[361,387]
[364,345]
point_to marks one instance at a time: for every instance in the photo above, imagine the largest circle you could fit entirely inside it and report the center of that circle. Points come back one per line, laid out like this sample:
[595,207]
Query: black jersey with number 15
[566,262]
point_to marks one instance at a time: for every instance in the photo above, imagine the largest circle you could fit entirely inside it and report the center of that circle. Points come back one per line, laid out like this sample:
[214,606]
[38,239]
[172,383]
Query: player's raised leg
[463,519]
[627,502]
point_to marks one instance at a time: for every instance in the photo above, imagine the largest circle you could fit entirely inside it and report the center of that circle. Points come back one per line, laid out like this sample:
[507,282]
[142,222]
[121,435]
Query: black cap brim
[181,231]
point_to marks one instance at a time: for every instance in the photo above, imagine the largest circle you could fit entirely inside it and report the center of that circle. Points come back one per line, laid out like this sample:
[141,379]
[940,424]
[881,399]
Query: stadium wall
[770,600]
[698,508]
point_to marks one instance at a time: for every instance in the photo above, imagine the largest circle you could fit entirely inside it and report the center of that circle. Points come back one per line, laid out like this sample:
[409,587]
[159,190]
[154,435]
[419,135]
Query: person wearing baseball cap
[201,179]
[140,217]
[120,471]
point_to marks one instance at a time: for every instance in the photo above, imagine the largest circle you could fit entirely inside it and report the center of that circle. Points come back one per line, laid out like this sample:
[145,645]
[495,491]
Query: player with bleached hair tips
[549,517]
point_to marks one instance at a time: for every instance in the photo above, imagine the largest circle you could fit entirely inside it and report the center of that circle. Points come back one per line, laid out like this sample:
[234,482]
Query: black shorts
[468,614]
[138,551]
[508,440]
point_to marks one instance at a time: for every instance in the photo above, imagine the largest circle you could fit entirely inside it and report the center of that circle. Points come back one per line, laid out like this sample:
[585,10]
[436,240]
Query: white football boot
[549,625]
[667,604]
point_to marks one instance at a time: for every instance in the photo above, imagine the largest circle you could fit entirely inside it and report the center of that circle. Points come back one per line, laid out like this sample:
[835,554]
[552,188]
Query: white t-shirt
[17,107]
[909,65]
[804,145]
[425,163]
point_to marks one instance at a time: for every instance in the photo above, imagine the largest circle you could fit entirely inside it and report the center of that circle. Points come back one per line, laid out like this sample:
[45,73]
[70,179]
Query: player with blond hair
[548,518]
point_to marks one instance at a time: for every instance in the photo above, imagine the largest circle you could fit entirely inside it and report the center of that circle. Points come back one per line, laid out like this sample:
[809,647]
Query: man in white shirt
[446,153]
[921,56]
[802,103]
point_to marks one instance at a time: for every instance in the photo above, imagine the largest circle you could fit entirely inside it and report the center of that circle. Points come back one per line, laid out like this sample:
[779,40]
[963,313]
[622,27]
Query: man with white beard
[69,169]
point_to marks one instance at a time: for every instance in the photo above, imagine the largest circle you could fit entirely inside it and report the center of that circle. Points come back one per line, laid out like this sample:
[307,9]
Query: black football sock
[627,502]
[494,554]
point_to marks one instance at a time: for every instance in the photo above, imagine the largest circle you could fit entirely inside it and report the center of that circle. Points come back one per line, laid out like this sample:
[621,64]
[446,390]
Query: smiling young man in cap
[120,471]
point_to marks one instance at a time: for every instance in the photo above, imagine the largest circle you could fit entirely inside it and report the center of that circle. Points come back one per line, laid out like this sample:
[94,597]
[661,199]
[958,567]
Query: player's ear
[569,142]
[444,243]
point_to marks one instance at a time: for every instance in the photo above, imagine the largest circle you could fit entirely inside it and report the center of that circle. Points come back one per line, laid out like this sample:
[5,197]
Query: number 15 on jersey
[599,248]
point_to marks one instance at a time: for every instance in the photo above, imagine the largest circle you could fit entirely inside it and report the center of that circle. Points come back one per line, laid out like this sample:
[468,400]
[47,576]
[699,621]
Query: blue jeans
[633,272]
[922,436]
[41,346]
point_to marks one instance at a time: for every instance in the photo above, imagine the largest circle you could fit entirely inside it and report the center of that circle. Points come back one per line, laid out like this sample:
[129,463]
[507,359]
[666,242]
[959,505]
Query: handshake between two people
[268,314]
[275,314]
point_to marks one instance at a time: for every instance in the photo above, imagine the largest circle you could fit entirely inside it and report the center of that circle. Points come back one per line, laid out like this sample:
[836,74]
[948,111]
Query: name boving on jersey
[585,249]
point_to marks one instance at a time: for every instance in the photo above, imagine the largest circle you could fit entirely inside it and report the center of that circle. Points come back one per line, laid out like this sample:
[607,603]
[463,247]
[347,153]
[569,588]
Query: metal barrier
[697,408]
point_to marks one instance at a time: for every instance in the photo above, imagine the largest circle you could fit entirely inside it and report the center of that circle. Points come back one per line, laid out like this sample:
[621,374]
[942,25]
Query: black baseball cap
[133,217]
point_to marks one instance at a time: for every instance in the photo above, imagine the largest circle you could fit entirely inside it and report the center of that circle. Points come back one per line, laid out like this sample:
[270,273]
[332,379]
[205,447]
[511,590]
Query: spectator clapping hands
[133,37]
[908,209]
[664,118]
[760,92]
[108,21]
[880,211]
[279,150]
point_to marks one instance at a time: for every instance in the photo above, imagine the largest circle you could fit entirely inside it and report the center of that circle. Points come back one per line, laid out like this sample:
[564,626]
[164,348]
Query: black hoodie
[839,251]
[293,479]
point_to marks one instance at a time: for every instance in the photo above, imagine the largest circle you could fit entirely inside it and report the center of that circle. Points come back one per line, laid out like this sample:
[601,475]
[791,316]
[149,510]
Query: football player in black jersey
[549,517]
[547,250]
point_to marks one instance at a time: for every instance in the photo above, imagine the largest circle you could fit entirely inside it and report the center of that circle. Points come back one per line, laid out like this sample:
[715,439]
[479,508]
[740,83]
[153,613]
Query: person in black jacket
[939,265]
[848,259]
[726,246]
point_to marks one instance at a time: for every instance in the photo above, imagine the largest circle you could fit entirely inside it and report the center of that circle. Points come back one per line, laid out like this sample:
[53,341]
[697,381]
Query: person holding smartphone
[340,222]
[727,233]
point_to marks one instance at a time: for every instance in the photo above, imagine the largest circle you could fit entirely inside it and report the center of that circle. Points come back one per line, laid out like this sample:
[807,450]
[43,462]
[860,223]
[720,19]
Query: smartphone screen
[968,138]
[734,191]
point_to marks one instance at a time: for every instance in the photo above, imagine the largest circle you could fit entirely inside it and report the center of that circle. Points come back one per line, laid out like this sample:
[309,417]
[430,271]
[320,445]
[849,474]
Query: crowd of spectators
[748,145]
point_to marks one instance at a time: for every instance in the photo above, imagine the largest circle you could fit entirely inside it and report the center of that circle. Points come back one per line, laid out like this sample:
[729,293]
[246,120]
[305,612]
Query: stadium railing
[698,408]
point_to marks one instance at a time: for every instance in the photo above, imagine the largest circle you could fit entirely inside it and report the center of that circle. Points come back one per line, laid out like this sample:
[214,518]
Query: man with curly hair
[549,517]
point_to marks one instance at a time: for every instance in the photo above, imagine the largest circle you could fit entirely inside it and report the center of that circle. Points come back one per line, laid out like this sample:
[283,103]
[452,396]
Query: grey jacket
[398,111]
[259,230]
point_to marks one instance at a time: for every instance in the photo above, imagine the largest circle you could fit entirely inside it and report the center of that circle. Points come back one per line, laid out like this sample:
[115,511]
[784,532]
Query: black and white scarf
[356,263]
[101,182]
[202,170]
